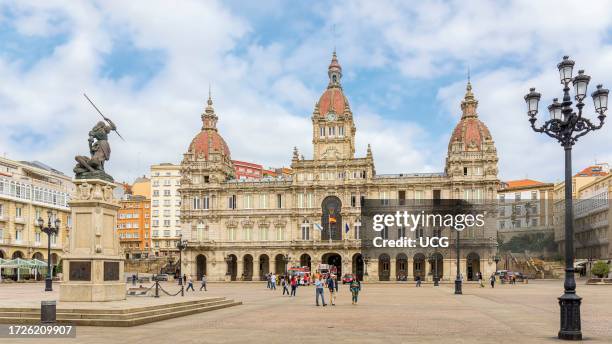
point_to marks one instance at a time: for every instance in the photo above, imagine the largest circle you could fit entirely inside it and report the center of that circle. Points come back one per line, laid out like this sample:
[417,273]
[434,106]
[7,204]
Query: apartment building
[165,208]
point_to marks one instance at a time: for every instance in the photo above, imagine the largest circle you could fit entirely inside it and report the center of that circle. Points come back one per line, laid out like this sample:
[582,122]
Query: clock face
[331,116]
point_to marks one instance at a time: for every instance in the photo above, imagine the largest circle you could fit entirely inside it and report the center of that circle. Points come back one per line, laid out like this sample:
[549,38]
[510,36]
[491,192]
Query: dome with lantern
[333,100]
[208,141]
[470,134]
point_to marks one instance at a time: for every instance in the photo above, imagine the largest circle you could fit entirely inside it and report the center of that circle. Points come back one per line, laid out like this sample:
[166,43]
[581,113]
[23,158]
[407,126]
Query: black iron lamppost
[50,229]
[496,259]
[566,126]
[433,259]
[366,260]
[181,245]
[286,258]
[458,281]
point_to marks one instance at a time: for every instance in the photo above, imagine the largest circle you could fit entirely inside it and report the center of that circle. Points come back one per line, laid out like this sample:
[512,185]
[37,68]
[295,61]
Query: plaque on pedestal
[94,263]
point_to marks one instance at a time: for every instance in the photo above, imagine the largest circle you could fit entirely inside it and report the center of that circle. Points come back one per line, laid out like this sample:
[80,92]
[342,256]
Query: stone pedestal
[94,267]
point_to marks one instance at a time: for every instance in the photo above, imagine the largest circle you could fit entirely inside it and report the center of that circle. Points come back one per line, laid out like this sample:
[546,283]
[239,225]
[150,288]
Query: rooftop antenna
[468,74]
[334,36]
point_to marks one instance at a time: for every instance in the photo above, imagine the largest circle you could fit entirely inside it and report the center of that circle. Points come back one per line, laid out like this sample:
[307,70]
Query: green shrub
[600,269]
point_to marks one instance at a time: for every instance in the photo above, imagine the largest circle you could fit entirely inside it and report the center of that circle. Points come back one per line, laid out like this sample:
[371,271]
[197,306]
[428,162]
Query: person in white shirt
[319,291]
[273,282]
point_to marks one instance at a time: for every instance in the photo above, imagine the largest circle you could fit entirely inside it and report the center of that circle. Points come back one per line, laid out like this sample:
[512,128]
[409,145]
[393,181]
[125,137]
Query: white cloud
[264,92]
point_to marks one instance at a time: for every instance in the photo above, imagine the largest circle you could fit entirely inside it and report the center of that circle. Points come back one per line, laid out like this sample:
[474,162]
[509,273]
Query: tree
[600,269]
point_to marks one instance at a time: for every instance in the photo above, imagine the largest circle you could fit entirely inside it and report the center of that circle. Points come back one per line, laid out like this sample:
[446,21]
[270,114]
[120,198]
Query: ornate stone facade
[242,229]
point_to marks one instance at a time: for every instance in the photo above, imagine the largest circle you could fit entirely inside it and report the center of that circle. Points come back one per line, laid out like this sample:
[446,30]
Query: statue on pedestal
[99,149]
[93,167]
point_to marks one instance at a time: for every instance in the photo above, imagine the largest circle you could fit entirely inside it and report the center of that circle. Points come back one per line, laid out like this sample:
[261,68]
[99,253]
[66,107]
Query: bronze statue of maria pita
[99,149]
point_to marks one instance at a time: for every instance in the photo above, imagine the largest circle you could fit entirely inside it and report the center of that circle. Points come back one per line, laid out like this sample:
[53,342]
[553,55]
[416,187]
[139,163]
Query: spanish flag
[332,219]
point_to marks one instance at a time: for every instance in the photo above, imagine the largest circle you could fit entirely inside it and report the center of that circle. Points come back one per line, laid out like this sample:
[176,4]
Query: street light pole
[49,230]
[566,126]
[181,246]
[458,281]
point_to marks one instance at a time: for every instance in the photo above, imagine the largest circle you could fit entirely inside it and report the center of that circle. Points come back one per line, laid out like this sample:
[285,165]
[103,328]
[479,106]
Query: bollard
[156,288]
[47,312]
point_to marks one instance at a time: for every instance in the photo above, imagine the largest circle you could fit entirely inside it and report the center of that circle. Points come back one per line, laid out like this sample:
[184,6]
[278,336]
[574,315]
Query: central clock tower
[333,129]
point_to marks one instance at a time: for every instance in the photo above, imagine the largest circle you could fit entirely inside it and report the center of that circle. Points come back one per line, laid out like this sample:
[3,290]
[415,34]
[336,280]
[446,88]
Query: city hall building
[241,229]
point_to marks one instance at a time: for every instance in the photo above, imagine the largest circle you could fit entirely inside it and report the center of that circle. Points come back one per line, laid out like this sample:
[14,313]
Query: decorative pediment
[231,223]
[247,223]
[280,222]
[263,223]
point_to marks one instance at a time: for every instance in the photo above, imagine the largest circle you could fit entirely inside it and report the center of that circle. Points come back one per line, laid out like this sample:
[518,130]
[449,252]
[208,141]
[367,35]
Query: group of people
[188,280]
[290,283]
[286,282]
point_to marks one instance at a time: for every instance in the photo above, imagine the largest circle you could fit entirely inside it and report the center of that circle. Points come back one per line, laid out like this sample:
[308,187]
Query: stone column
[273,264]
[409,272]
[392,269]
[94,267]
[239,269]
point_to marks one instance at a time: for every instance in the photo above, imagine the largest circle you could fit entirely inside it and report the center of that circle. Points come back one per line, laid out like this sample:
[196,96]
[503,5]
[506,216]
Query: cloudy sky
[148,65]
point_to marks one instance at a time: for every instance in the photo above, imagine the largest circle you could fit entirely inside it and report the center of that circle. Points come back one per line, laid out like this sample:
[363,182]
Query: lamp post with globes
[181,245]
[567,125]
[52,228]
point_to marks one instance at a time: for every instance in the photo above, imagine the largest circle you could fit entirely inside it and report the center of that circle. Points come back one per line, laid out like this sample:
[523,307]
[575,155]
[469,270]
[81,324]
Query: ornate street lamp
[566,126]
[366,260]
[50,229]
[286,257]
[496,259]
[181,245]
[458,281]
[433,259]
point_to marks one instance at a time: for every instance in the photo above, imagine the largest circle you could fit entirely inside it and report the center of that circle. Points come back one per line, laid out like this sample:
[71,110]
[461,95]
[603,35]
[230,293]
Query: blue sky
[148,65]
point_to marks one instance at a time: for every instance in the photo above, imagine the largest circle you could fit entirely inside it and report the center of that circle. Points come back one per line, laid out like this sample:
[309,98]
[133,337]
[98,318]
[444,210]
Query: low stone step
[101,314]
[134,320]
[113,311]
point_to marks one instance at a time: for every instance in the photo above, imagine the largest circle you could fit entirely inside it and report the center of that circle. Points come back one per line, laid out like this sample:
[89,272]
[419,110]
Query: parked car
[348,278]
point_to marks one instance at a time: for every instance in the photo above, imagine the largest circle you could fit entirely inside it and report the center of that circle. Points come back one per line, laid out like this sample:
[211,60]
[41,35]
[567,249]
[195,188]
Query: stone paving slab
[387,313]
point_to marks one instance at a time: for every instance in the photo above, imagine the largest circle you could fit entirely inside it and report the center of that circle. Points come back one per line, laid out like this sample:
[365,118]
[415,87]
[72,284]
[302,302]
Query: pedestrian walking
[190,283]
[285,284]
[480,280]
[184,278]
[294,285]
[418,281]
[203,283]
[355,289]
[273,281]
[492,279]
[268,280]
[319,292]
[331,285]
[336,284]
[134,279]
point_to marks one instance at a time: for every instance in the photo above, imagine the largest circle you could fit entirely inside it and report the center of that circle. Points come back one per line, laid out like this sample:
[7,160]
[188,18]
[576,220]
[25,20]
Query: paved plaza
[390,313]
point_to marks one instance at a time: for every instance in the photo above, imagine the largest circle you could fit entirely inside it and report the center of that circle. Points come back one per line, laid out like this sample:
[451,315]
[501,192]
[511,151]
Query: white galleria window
[263,201]
[247,200]
[321,131]
[305,230]
[263,234]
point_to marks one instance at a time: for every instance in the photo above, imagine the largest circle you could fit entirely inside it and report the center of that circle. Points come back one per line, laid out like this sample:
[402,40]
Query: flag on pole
[332,219]
[346,228]
[318,227]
